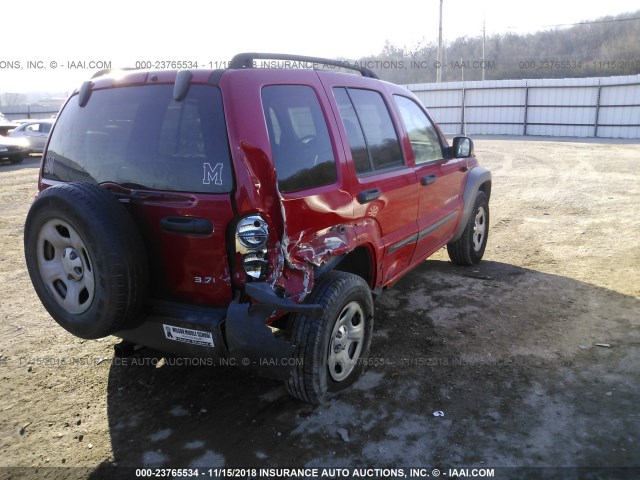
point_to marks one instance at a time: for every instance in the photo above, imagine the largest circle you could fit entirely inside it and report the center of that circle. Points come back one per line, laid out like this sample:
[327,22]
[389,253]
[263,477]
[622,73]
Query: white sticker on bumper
[186,335]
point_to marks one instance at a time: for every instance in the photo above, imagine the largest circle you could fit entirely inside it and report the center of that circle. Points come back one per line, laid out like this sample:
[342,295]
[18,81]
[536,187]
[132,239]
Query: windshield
[141,136]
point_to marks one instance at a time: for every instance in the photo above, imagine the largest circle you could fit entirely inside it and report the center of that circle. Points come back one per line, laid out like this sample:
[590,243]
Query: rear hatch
[169,161]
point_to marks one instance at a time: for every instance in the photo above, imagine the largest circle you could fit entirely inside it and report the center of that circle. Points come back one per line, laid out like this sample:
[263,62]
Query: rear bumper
[239,332]
[152,333]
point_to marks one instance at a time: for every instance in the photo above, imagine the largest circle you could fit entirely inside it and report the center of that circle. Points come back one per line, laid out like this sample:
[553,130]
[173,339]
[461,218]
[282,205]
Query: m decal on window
[212,174]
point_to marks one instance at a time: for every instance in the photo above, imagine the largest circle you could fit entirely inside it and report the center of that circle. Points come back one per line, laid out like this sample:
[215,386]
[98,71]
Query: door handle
[187,225]
[428,180]
[367,196]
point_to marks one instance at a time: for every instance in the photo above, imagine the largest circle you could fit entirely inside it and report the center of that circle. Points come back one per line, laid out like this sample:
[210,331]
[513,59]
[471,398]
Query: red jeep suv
[247,215]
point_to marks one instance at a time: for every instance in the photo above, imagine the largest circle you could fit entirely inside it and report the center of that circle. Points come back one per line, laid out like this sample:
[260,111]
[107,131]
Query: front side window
[300,143]
[424,139]
[141,137]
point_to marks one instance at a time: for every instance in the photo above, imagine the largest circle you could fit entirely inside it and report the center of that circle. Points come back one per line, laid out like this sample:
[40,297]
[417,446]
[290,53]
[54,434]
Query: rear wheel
[332,350]
[16,159]
[469,248]
[86,259]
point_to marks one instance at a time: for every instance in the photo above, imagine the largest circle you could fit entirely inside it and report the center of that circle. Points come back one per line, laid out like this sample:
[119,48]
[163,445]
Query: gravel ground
[532,356]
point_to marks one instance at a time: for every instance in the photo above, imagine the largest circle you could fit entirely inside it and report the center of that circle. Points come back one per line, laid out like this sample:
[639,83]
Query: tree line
[608,46]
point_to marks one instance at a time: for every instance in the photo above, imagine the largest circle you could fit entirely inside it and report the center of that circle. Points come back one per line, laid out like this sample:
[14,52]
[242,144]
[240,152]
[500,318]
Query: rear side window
[141,138]
[300,143]
[370,131]
[358,144]
[422,134]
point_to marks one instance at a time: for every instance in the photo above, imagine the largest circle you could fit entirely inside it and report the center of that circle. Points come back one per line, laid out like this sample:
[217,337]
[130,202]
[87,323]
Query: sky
[55,36]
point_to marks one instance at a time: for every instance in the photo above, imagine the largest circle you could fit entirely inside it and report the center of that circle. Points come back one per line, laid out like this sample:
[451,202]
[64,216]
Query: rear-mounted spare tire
[86,259]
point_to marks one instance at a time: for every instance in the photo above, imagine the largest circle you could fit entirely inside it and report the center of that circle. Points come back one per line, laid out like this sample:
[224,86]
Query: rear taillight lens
[252,235]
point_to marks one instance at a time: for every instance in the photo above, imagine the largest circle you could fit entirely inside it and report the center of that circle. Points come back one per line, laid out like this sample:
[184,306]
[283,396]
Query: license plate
[187,335]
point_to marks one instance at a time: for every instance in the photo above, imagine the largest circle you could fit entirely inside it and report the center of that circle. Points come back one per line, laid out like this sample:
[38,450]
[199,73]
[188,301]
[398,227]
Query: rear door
[313,186]
[383,184]
[439,179]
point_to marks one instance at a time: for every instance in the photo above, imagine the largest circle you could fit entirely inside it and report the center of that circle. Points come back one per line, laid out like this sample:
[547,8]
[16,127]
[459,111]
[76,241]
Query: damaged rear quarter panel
[304,246]
[307,228]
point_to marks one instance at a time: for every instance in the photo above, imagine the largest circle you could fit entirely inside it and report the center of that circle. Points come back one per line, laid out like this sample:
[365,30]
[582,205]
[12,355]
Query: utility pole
[483,40]
[439,62]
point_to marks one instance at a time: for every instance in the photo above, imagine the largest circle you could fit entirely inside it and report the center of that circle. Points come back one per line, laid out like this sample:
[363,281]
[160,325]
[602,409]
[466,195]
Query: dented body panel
[311,226]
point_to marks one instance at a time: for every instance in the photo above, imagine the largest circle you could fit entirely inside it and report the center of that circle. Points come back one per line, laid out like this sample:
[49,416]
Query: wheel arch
[360,261]
[478,179]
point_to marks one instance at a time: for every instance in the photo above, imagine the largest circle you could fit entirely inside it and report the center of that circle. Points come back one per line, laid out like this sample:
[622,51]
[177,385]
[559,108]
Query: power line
[593,21]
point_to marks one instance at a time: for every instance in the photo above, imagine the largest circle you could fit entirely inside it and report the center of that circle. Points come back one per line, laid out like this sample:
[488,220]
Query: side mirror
[463,147]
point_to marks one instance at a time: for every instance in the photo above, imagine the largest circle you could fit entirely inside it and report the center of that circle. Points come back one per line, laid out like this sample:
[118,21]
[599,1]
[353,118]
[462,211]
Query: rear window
[141,138]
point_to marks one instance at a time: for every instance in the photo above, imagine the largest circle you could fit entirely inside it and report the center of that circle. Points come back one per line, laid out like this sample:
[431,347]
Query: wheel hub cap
[65,266]
[347,339]
[479,229]
[72,264]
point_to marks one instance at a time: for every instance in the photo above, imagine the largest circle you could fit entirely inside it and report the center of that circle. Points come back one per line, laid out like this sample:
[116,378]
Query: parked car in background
[35,131]
[6,125]
[13,150]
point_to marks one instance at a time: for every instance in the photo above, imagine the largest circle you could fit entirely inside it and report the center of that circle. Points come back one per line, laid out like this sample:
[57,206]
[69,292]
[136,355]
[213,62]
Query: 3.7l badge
[204,280]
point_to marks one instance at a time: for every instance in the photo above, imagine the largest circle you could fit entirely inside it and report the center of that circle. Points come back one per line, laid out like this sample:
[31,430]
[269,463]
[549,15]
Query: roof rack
[245,60]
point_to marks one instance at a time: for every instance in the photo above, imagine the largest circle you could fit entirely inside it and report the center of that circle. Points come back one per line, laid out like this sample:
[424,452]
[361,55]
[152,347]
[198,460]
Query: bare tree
[602,47]
[12,99]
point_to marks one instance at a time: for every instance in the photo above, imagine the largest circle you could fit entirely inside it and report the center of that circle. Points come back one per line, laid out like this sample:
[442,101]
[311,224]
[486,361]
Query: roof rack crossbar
[245,60]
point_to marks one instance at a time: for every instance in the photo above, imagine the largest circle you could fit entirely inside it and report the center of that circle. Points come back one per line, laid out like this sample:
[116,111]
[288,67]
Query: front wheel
[469,248]
[332,350]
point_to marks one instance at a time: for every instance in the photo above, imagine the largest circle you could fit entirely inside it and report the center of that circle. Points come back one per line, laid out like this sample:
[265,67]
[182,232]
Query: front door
[440,180]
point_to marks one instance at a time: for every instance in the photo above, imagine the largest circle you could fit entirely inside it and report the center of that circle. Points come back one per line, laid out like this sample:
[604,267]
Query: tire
[321,373]
[15,160]
[86,259]
[469,248]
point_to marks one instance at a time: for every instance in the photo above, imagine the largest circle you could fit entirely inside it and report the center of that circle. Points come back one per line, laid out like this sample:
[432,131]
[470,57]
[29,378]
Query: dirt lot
[533,356]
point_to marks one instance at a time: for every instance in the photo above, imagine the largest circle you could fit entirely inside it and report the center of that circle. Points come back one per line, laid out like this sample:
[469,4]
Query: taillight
[252,235]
